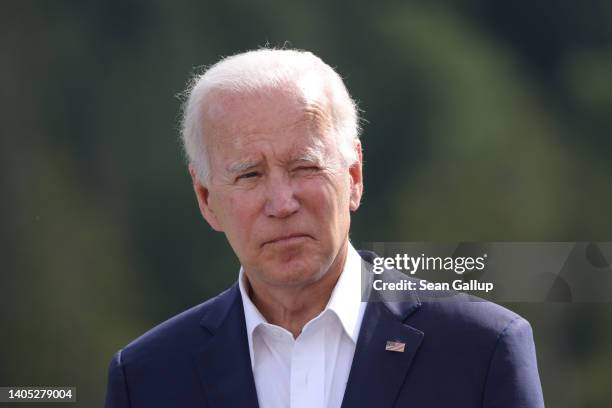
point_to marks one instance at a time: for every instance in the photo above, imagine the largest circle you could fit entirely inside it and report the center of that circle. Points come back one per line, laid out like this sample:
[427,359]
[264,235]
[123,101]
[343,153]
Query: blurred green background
[486,120]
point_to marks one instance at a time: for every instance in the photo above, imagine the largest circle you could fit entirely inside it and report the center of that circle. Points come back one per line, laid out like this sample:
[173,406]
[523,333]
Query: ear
[355,172]
[203,195]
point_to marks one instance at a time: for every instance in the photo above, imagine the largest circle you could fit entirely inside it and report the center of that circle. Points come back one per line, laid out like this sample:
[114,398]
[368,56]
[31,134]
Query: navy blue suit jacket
[460,353]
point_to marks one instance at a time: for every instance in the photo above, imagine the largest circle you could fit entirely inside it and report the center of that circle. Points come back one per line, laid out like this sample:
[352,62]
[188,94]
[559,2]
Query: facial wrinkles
[311,146]
[247,126]
[318,111]
[318,154]
[313,154]
[322,124]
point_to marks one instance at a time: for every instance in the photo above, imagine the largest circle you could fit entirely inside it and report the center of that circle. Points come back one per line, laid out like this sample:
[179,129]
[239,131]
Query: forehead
[281,116]
[271,106]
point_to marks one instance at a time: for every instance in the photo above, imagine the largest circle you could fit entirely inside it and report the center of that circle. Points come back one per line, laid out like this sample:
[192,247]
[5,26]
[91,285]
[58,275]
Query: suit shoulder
[454,312]
[179,333]
[468,316]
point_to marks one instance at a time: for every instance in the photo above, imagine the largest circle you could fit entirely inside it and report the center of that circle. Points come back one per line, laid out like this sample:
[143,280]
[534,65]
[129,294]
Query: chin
[294,271]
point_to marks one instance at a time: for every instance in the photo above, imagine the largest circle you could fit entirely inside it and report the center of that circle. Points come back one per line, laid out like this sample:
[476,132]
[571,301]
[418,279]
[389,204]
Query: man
[275,159]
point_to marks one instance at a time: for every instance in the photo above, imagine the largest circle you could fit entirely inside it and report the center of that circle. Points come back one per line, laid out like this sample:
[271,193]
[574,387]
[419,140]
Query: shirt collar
[345,300]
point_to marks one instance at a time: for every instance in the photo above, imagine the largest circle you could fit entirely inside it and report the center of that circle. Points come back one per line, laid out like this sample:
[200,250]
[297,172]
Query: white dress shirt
[312,370]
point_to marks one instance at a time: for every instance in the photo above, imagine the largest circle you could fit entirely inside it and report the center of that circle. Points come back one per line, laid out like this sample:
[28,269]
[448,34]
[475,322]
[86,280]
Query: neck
[292,307]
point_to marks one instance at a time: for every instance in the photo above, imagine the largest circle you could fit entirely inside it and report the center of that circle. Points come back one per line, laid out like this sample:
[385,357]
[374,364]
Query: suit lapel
[224,362]
[375,369]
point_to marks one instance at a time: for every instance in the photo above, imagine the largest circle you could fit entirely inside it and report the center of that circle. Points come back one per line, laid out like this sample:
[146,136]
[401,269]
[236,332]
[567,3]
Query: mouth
[287,239]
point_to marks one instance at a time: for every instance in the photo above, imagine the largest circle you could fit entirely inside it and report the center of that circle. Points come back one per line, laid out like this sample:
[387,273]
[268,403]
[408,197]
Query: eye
[307,169]
[249,175]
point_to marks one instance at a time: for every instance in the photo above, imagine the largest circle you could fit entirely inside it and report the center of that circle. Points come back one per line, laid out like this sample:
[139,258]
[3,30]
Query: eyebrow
[242,166]
[310,156]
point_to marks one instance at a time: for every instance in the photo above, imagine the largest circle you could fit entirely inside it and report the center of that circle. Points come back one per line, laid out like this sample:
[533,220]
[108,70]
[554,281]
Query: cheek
[327,199]
[236,210]
[240,214]
[244,210]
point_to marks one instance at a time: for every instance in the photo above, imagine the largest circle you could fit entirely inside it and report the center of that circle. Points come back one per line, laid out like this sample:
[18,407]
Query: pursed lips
[286,238]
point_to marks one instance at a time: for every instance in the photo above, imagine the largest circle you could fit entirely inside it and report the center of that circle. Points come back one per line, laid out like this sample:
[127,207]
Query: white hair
[264,69]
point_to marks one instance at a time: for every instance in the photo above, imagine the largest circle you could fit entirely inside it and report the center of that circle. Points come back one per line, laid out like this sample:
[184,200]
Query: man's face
[278,187]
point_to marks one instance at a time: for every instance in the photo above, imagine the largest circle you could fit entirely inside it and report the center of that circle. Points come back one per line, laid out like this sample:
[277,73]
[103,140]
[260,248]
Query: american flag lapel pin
[396,346]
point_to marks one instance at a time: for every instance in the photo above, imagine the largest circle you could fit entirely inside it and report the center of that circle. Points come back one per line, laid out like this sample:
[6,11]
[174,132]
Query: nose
[281,201]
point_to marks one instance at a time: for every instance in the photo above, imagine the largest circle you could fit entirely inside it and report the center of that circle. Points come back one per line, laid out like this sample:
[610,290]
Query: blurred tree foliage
[486,120]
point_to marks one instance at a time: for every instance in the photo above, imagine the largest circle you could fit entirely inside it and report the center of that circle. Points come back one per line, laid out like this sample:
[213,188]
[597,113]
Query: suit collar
[223,362]
[219,308]
[410,301]
[373,366]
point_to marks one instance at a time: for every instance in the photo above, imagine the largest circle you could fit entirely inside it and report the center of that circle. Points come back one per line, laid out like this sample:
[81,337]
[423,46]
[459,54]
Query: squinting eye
[248,175]
[307,168]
